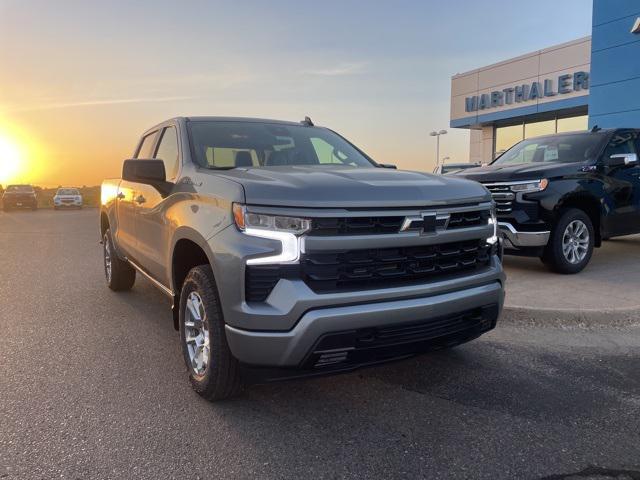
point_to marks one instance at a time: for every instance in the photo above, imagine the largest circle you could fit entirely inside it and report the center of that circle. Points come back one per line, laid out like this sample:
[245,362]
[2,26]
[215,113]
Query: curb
[565,317]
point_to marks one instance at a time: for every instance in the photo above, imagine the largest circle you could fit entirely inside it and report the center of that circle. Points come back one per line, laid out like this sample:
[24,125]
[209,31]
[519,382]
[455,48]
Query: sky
[81,80]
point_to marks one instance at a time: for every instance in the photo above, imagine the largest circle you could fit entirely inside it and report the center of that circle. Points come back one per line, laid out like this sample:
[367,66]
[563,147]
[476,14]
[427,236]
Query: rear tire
[571,243]
[119,274]
[213,370]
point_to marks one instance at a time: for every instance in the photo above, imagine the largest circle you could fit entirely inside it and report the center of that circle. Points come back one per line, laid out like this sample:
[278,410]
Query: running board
[167,291]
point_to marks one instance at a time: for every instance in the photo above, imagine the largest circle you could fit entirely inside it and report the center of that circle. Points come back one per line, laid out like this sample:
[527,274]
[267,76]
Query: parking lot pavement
[92,385]
[605,292]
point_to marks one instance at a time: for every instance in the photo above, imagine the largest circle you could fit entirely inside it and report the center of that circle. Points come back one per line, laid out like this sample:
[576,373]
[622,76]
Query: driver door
[126,233]
[624,184]
[153,224]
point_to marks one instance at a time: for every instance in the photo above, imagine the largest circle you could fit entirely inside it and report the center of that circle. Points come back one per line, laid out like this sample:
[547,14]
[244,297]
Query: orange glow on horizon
[10,159]
[19,156]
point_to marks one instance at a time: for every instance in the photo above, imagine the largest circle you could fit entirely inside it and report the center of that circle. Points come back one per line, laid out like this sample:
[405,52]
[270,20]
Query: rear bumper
[518,239]
[19,203]
[418,323]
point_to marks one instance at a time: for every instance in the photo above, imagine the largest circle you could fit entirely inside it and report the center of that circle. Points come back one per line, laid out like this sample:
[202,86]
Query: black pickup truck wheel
[213,371]
[571,243]
[119,274]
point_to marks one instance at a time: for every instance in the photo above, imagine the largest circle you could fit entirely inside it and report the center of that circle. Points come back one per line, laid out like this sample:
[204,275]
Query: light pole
[437,135]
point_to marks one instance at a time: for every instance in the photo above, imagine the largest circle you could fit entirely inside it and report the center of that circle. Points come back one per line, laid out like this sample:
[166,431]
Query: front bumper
[297,347]
[67,205]
[514,239]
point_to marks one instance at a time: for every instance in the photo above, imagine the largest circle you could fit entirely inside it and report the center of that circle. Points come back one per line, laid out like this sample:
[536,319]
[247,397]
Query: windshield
[20,189]
[68,191]
[557,149]
[231,144]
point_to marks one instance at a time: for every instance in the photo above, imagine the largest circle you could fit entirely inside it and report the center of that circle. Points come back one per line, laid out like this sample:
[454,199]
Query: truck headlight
[493,220]
[285,229]
[530,187]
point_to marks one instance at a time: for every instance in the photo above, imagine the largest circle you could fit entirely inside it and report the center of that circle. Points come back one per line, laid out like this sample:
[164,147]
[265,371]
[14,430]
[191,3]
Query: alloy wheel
[196,334]
[107,258]
[575,242]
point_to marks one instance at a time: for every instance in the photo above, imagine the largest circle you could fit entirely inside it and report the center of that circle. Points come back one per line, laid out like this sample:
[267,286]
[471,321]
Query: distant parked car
[67,198]
[19,196]
[453,168]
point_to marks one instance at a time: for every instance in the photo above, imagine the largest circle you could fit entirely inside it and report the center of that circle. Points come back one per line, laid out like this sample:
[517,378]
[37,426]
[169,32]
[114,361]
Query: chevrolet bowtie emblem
[427,223]
[636,26]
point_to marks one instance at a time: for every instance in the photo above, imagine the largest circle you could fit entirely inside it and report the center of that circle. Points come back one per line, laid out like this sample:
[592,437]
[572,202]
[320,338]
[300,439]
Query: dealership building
[573,86]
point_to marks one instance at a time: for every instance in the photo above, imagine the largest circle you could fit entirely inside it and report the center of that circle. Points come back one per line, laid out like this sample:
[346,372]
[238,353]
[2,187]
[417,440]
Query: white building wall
[548,63]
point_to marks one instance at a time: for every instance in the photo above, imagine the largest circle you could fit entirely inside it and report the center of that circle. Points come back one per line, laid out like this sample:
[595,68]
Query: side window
[146,146]
[168,152]
[622,142]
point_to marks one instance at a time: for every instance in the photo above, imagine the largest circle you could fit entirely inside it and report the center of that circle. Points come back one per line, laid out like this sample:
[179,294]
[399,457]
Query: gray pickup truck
[286,251]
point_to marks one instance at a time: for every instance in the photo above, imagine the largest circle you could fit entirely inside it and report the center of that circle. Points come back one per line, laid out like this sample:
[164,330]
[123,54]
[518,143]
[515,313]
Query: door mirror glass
[150,172]
[622,159]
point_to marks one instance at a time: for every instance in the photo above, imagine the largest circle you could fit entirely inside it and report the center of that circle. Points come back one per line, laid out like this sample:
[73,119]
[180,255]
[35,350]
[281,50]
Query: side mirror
[387,165]
[144,171]
[622,159]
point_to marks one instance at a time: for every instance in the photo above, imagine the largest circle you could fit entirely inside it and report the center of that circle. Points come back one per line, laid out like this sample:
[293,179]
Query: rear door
[624,184]
[152,222]
[126,235]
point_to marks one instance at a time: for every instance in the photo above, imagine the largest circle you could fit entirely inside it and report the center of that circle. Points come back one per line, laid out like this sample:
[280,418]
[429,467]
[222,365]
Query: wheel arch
[188,249]
[589,205]
[104,223]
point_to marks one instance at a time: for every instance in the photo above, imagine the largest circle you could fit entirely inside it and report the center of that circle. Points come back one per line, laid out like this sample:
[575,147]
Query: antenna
[595,128]
[307,121]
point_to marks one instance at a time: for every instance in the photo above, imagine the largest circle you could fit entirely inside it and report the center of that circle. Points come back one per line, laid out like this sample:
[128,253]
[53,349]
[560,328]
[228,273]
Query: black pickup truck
[559,196]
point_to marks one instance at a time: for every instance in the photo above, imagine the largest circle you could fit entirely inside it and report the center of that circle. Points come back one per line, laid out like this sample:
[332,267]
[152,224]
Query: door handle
[120,196]
[140,199]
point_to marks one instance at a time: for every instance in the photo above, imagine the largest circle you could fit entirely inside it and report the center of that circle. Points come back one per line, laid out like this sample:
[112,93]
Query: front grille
[358,269]
[353,270]
[468,219]
[503,196]
[260,280]
[344,226]
[355,225]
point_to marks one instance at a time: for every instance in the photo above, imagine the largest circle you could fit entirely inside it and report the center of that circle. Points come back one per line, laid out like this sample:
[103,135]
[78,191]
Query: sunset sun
[11,159]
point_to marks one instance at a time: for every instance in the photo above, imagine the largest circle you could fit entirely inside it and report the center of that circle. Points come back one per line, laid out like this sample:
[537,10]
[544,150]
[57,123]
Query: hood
[350,187]
[520,171]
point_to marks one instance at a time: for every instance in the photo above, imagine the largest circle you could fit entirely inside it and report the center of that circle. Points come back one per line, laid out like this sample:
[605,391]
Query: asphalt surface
[92,385]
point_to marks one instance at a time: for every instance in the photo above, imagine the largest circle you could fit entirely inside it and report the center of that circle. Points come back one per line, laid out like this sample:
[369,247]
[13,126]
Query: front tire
[213,371]
[119,274]
[571,243]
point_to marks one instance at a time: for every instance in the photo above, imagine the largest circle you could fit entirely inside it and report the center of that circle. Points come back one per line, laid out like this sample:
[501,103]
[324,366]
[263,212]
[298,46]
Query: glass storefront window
[573,124]
[537,129]
[507,137]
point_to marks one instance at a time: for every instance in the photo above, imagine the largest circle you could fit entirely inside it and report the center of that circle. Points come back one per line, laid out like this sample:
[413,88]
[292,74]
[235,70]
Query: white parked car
[67,198]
